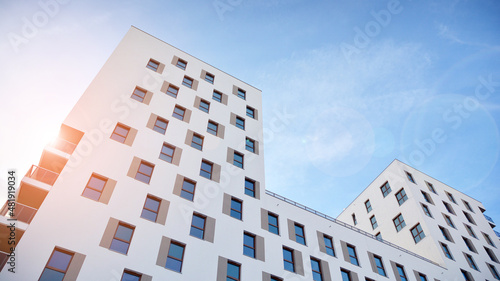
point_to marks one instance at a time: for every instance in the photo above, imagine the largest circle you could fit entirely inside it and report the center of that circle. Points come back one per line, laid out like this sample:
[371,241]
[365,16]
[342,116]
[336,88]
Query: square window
[353,257]
[94,187]
[206,169]
[249,245]
[198,226]
[204,106]
[120,133]
[273,225]
[368,206]
[240,123]
[130,276]
[427,211]
[188,188]
[153,65]
[379,265]
[300,236]
[401,196]
[236,208]
[179,112]
[56,266]
[238,159]
[151,208]
[172,91]
[181,64]
[212,128]
[329,245]
[160,125]
[316,270]
[410,177]
[139,94]
[373,221]
[122,238]
[233,271]
[217,96]
[417,233]
[175,256]
[167,152]
[144,172]
[385,188]
[209,78]
[446,251]
[250,145]
[242,94]
[399,222]
[250,187]
[250,112]
[188,82]
[197,141]
[288,261]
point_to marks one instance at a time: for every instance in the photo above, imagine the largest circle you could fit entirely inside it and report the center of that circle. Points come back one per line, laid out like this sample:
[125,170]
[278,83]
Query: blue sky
[348,86]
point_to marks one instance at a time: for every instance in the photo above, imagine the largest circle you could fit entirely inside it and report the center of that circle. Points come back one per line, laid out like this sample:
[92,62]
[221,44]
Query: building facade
[158,174]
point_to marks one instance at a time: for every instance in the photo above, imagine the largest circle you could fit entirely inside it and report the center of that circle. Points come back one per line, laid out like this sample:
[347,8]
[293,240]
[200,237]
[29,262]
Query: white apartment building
[158,174]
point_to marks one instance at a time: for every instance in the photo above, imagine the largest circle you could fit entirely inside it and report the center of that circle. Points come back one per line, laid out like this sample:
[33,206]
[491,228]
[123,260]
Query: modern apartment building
[158,174]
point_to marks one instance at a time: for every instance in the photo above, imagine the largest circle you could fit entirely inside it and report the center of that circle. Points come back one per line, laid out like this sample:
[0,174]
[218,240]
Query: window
[328,245]
[446,233]
[417,233]
[422,277]
[236,208]
[212,128]
[399,222]
[427,197]
[410,177]
[378,236]
[300,236]
[379,265]
[249,187]
[354,220]
[250,112]
[197,141]
[144,172]
[160,125]
[217,96]
[94,188]
[151,208]
[450,196]
[449,221]
[448,208]
[120,133]
[130,276]
[56,267]
[446,251]
[187,191]
[288,259]
[385,188]
[469,245]
[353,257]
[427,211]
[316,270]
[153,65]
[175,256]
[272,220]
[469,217]
[188,82]
[204,106]
[238,159]
[139,95]
[368,206]
[346,275]
[198,226]
[488,239]
[121,239]
[179,112]
[470,231]
[493,271]
[431,187]
[167,152]
[240,123]
[172,91]
[209,78]
[242,94]
[467,205]
[233,271]
[249,245]
[274,278]
[491,254]
[401,197]
[250,144]
[206,169]
[467,276]
[373,221]
[181,64]
[401,272]
[471,261]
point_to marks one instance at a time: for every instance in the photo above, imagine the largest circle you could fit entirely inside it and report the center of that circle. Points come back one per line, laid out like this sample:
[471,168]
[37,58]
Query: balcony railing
[42,174]
[347,226]
[489,219]
[21,212]
[64,145]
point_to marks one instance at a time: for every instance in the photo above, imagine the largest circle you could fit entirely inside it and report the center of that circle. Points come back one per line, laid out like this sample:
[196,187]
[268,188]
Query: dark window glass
[249,187]
[446,251]
[250,112]
[198,226]
[410,177]
[426,210]
[373,221]
[209,78]
[233,271]
[181,64]
[129,276]
[241,93]
[249,245]
[329,245]
[206,170]
[401,272]
[56,267]
[346,275]
[288,260]
[368,206]
[236,208]
[179,113]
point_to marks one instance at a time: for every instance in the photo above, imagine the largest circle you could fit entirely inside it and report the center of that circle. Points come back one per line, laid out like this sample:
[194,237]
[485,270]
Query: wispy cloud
[447,33]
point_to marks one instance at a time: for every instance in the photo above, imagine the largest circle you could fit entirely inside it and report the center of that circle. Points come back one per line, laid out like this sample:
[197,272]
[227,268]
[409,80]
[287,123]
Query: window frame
[204,172]
[352,256]
[401,272]
[269,224]
[49,267]
[92,189]
[152,198]
[215,96]
[373,221]
[250,191]
[210,80]
[419,234]
[385,189]
[430,186]
[185,192]
[368,206]
[250,147]
[242,94]
[237,265]
[426,210]
[240,123]
[237,162]
[289,262]
[238,214]
[329,249]
[147,164]
[167,157]
[379,265]
[176,113]
[125,225]
[172,91]
[182,64]
[299,237]
[399,222]
[188,82]
[250,112]
[197,141]
[181,260]
[250,247]
[401,196]
[152,67]
[446,251]
[139,98]
[160,129]
[119,135]
[204,106]
[211,130]
[131,273]
[410,177]
[316,273]
[200,216]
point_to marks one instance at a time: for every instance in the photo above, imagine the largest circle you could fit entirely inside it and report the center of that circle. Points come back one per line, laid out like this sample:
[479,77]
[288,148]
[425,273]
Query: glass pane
[175,251]
[152,204]
[198,222]
[145,169]
[249,252]
[173,264]
[196,232]
[121,131]
[233,270]
[129,277]
[273,229]
[345,276]
[118,138]
[317,276]
[328,242]
[315,265]
[143,178]
[207,167]
[235,214]
[299,230]
[287,255]
[60,260]
[124,233]
[187,195]
[188,186]
[272,220]
[289,266]
[235,205]
[139,93]
[249,192]
[91,194]
[248,240]
[119,246]
[147,214]
[51,275]
[166,157]
[96,183]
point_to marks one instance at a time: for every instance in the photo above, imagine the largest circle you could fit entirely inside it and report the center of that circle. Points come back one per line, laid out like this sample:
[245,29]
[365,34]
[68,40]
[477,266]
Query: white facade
[81,219]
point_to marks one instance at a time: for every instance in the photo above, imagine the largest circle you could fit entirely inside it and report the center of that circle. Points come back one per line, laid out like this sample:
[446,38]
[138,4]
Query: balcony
[64,145]
[42,175]
[22,212]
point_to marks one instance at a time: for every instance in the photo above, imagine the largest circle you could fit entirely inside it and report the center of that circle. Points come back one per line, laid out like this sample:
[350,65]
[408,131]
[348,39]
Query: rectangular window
[167,152]
[427,197]
[379,265]
[449,208]
[449,221]
[300,236]
[385,188]
[153,65]
[209,78]
[354,220]
[233,271]
[329,245]
[122,238]
[249,244]
[172,91]
[188,82]
[431,187]
[401,196]
[242,94]
[470,231]
[249,187]
[467,276]
[491,254]
[353,257]
[274,278]
[410,177]
[401,272]
[250,112]
[368,206]
[206,169]
[160,125]
[446,233]
[471,261]
[197,141]
[346,275]
[450,196]
[212,128]
[469,217]
[94,187]
[250,145]
[469,245]
[467,205]
[204,106]
[316,270]
[144,172]
[378,236]
[56,267]
[240,123]
[399,222]
[273,225]
[488,239]
[120,133]
[417,233]
[139,94]
[130,276]
[493,271]
[426,210]
[198,226]
[181,64]
[188,188]
[373,221]
[446,251]
[179,112]
[217,96]
[150,208]
[422,277]
[238,159]
[288,259]
[236,208]
[175,256]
